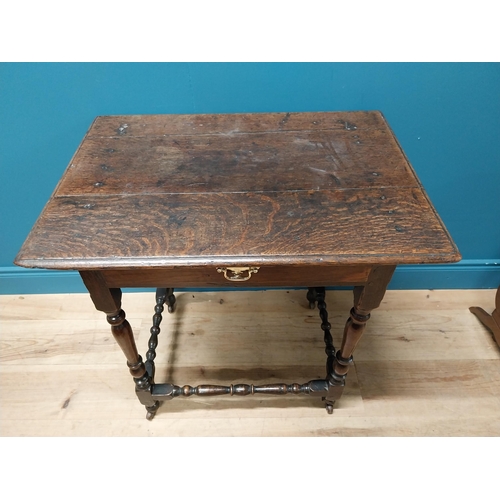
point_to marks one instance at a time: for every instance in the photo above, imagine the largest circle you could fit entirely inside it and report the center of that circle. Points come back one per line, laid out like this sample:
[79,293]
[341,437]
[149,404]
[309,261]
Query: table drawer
[229,276]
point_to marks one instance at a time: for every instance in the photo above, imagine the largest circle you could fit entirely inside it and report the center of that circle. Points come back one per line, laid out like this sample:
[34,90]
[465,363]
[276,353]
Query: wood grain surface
[278,188]
[237,163]
[340,226]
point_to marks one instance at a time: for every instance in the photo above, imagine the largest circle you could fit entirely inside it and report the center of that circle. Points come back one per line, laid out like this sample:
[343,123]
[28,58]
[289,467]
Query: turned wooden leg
[108,300]
[312,297]
[338,364]
[122,332]
[366,298]
[170,300]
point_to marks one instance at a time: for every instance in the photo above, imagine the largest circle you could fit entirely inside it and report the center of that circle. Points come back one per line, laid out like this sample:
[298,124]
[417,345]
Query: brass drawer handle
[237,273]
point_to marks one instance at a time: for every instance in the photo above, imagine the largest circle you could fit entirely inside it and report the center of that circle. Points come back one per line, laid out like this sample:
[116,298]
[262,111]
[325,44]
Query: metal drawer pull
[237,273]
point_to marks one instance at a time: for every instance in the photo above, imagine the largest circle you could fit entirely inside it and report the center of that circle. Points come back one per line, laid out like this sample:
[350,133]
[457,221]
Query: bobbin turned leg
[108,300]
[366,298]
[318,295]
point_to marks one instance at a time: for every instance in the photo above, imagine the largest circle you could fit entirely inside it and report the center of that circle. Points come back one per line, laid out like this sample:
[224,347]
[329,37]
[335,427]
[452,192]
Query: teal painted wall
[446,117]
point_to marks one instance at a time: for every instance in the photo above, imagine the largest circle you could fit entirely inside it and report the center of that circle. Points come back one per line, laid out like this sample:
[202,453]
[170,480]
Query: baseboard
[467,274]
[18,280]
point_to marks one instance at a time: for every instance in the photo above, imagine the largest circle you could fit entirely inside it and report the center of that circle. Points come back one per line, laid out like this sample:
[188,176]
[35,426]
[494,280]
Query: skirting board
[466,274]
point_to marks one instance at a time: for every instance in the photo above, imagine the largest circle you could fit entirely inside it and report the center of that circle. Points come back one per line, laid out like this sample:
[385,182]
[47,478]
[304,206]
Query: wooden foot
[485,318]
[151,410]
[329,406]
[492,322]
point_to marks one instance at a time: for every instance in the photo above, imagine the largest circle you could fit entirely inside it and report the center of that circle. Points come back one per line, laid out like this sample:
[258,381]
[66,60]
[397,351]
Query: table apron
[209,277]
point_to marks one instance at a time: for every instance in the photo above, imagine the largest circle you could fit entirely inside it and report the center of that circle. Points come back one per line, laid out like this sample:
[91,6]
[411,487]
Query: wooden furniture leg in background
[492,322]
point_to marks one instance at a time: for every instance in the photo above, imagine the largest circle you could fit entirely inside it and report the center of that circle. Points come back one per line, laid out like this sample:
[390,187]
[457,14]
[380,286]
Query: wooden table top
[276,188]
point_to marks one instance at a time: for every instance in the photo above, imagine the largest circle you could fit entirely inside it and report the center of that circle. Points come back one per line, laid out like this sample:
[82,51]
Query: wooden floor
[425,367]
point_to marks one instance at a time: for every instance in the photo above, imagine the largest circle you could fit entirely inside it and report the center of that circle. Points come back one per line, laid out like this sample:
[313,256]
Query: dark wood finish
[108,300]
[297,199]
[312,296]
[163,392]
[244,123]
[491,321]
[161,297]
[366,298]
[207,276]
[237,189]
[105,299]
[203,164]
[335,385]
[306,227]
[329,388]
[171,300]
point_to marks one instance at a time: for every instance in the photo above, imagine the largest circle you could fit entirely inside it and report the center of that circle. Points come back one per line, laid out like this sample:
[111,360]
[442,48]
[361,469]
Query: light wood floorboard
[425,366]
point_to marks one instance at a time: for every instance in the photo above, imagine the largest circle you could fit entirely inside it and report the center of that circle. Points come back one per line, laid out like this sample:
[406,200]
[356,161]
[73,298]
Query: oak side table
[262,200]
